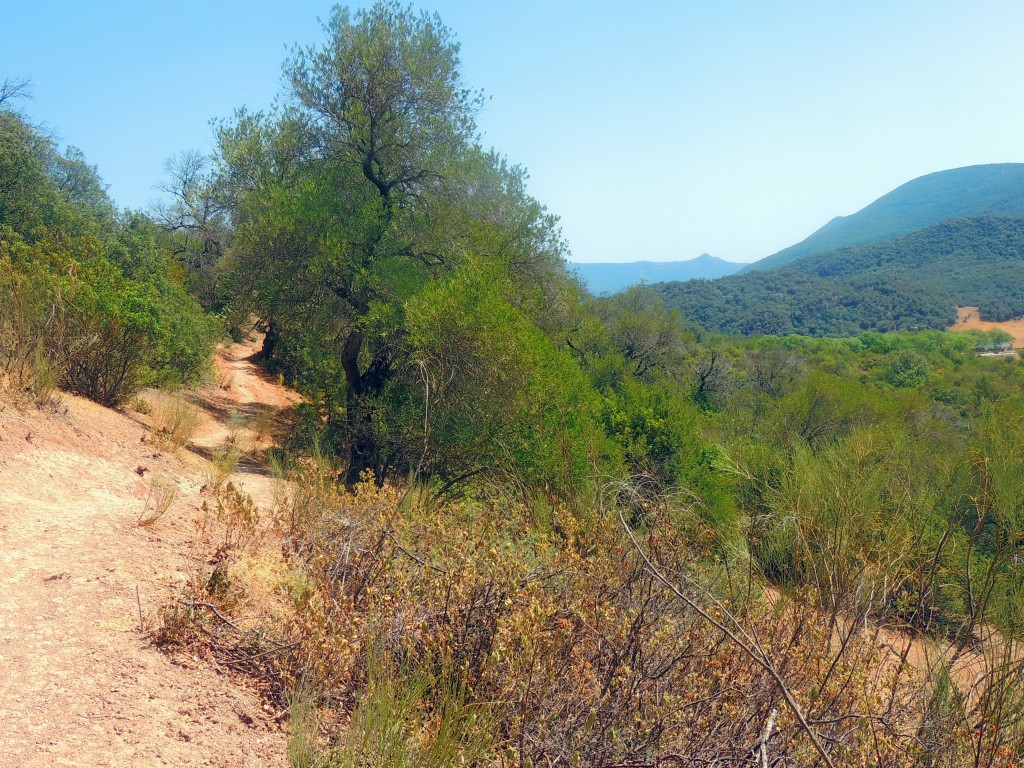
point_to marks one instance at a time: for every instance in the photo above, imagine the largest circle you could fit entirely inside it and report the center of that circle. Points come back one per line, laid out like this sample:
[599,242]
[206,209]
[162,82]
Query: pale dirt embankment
[80,683]
[968,319]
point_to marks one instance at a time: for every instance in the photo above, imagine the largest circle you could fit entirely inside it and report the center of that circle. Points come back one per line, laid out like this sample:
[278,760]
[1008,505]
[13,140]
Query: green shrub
[88,301]
[118,321]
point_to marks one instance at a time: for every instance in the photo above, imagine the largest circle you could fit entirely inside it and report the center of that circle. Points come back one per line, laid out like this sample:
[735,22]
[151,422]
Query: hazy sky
[656,131]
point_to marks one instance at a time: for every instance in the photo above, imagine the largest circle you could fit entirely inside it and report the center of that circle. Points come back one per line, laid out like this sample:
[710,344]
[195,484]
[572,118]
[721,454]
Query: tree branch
[756,654]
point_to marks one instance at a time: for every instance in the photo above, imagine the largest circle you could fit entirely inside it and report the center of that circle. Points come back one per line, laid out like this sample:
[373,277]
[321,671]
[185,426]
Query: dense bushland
[785,301]
[539,528]
[972,261]
[520,525]
[412,630]
[90,299]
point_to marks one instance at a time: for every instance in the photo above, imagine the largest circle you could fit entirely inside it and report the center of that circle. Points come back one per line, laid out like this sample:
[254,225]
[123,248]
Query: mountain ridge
[996,188]
[910,282]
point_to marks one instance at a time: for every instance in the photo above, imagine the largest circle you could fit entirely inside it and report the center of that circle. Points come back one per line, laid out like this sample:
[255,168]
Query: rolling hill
[961,192]
[611,278]
[910,282]
[976,261]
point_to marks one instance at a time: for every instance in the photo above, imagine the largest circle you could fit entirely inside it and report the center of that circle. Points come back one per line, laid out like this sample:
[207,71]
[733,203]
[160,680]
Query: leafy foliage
[366,195]
[88,301]
[786,301]
[620,539]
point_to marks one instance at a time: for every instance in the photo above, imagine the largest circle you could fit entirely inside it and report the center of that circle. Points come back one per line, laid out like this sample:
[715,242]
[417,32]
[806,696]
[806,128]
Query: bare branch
[13,89]
[735,633]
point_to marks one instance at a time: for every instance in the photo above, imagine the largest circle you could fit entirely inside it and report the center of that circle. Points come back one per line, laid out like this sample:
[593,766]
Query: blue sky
[656,131]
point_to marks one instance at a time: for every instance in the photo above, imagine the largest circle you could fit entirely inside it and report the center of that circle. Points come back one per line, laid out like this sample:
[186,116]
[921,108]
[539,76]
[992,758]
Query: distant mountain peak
[603,278]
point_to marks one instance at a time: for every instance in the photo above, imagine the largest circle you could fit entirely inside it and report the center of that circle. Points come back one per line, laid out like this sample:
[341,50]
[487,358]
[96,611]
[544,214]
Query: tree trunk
[362,391]
[269,342]
[362,446]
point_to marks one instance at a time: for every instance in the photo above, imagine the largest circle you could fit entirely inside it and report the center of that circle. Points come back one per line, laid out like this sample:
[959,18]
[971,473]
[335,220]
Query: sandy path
[79,683]
[244,394]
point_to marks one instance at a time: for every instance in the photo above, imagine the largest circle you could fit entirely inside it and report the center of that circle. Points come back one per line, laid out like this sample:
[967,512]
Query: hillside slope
[80,683]
[783,301]
[910,282]
[972,191]
[975,262]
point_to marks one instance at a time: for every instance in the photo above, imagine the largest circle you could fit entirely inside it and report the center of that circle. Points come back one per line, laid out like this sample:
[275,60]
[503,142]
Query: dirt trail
[80,685]
[243,395]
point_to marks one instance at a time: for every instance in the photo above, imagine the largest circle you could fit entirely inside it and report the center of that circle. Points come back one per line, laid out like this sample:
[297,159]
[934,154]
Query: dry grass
[141,405]
[237,423]
[567,642]
[163,492]
[34,339]
[261,425]
[462,631]
[223,462]
[29,379]
[238,518]
[175,421]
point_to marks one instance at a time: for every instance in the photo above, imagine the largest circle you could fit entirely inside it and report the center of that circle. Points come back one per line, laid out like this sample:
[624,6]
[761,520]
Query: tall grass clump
[32,329]
[223,463]
[163,492]
[175,421]
[303,749]
[408,717]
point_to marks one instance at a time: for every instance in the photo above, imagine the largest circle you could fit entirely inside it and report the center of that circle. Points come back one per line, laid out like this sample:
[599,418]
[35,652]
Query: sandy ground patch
[80,685]
[969,319]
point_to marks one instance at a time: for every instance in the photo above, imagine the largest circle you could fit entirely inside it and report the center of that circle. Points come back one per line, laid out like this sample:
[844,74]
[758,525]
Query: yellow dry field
[968,319]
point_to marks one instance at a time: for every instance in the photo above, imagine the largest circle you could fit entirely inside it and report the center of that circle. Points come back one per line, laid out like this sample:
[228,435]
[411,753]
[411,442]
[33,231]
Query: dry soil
[80,682]
[968,319]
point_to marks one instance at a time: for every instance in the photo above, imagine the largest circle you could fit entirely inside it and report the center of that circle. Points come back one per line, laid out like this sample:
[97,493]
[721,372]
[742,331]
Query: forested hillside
[977,190]
[972,262]
[784,301]
[907,283]
[520,525]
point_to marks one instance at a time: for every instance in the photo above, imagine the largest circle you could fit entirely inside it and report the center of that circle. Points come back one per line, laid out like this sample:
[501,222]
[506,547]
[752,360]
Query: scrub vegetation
[90,298]
[519,525]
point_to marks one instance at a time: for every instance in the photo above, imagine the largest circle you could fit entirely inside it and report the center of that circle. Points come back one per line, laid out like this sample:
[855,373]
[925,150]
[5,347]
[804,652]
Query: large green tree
[364,188]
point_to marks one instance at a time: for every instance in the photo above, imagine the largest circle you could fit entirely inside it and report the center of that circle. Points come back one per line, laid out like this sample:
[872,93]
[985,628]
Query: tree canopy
[368,186]
[90,300]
